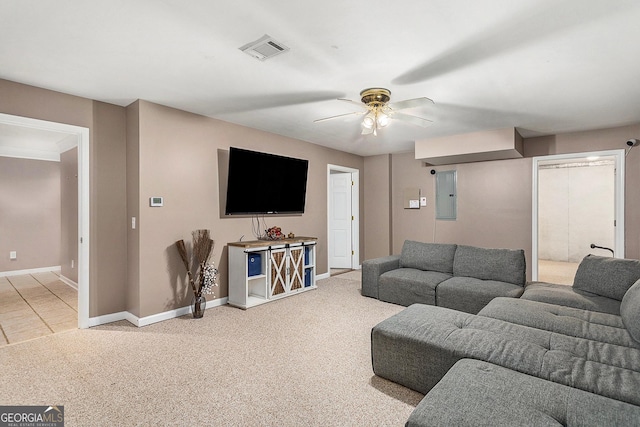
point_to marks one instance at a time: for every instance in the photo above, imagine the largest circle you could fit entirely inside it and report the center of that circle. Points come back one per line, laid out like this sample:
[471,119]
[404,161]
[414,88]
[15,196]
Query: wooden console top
[262,243]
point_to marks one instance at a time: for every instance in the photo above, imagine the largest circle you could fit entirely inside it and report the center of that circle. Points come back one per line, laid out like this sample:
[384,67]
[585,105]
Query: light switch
[423,201]
[133,222]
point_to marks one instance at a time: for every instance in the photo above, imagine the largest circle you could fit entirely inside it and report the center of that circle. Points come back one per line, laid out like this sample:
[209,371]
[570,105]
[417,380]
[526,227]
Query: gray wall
[377,206]
[494,204]
[144,150]
[29,213]
[175,155]
[106,124]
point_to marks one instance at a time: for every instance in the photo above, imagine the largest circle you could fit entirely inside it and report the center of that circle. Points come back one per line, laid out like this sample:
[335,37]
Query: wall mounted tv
[262,183]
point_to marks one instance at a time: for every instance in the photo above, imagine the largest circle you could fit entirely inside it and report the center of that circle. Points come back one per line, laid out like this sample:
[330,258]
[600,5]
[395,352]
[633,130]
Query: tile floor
[34,305]
[557,272]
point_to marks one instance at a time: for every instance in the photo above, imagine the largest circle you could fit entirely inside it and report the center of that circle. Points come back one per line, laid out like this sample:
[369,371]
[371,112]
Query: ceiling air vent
[264,48]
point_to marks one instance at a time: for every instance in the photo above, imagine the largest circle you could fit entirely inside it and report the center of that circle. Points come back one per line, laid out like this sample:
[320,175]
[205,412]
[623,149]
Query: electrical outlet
[13,255]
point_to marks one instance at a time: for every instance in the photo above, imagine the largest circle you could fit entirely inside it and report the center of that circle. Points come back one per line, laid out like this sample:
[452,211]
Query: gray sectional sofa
[599,285]
[460,277]
[559,355]
[490,395]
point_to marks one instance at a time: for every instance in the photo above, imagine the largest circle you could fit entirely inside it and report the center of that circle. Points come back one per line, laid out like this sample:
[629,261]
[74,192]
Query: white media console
[264,270]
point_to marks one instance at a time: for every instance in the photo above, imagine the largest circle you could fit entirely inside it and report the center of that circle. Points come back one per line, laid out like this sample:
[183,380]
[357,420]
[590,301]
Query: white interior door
[340,218]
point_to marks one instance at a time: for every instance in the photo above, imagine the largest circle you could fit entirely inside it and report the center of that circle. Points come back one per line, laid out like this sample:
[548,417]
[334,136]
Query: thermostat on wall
[156,201]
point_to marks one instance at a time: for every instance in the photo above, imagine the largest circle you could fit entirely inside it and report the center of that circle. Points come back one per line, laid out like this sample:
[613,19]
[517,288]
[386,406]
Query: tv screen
[261,183]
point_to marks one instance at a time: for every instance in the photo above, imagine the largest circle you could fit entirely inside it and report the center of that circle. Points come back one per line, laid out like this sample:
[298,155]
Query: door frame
[82,139]
[619,157]
[355,212]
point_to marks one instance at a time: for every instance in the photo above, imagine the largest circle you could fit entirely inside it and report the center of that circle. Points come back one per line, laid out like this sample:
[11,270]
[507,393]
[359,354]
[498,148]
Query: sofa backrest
[609,277]
[428,256]
[503,265]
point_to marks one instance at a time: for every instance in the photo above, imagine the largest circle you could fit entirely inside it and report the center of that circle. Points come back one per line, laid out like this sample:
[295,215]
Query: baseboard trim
[109,318]
[29,271]
[69,282]
[323,276]
[148,320]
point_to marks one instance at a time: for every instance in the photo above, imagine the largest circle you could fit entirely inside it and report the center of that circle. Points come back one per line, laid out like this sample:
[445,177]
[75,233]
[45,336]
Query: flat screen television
[261,183]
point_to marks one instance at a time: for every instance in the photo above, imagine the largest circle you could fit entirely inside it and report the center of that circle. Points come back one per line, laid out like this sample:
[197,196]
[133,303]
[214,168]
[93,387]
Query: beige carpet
[299,361]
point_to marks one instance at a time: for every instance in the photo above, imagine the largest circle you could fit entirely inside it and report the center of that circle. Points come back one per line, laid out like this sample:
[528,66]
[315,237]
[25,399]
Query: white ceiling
[33,143]
[543,66]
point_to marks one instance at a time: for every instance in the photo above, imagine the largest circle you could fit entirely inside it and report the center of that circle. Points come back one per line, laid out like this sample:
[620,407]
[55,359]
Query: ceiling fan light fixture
[382,120]
[375,96]
[369,121]
[379,111]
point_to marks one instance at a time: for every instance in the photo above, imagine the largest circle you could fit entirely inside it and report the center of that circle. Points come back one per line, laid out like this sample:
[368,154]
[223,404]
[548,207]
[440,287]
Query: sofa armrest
[371,271]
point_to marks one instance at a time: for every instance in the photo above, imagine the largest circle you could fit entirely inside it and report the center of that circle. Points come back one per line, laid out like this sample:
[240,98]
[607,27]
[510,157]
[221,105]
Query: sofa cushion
[428,256]
[406,286]
[470,295]
[609,277]
[502,265]
[570,321]
[630,310]
[417,346]
[569,296]
[487,394]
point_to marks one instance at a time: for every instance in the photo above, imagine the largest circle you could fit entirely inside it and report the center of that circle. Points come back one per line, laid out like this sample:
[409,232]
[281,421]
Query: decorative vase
[198,306]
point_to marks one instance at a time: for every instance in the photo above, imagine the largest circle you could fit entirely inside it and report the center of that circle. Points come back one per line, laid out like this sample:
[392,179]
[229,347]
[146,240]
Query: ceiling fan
[379,111]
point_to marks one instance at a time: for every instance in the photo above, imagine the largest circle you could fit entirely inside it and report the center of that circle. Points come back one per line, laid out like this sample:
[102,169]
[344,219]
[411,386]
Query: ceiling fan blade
[243,104]
[357,113]
[358,103]
[410,103]
[412,119]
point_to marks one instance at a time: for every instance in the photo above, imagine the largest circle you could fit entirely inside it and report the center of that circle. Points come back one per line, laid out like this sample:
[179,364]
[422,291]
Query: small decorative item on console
[274,233]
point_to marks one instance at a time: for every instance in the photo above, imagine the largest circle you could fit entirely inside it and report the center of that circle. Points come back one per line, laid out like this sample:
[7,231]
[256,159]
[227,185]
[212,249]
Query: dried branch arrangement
[205,274]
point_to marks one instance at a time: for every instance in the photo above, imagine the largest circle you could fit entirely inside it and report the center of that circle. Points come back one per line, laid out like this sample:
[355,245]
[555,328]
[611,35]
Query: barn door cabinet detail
[261,271]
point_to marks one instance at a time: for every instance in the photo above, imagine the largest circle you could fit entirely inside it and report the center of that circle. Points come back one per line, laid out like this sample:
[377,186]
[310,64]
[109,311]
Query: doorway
[79,136]
[343,218]
[578,209]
